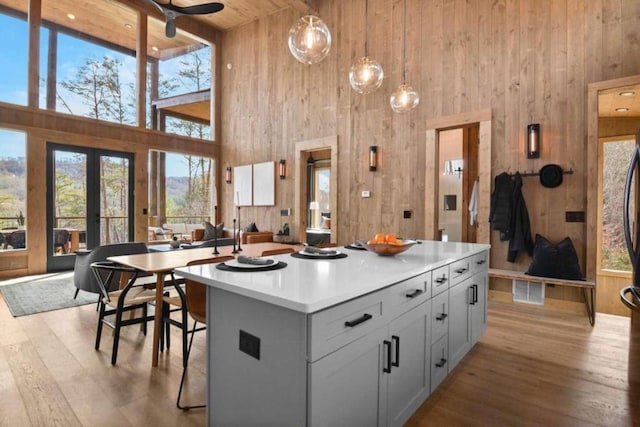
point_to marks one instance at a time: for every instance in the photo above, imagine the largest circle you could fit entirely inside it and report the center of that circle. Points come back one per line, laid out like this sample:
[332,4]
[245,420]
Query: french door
[89,201]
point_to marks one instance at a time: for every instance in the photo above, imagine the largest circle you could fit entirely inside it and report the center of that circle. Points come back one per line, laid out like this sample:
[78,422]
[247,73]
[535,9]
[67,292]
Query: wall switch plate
[365,193]
[285,212]
[574,216]
[145,211]
[249,344]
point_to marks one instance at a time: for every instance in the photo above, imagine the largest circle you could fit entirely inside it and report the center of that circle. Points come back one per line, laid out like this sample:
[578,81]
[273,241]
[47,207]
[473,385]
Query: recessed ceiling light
[627,93]
[127,25]
[155,48]
[71,16]
[622,110]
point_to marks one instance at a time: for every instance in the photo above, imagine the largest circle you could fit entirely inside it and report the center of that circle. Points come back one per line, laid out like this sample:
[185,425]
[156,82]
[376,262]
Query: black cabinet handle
[363,318]
[475,293]
[441,363]
[397,341]
[472,298]
[387,369]
[461,270]
[441,279]
[442,317]
[414,293]
[480,262]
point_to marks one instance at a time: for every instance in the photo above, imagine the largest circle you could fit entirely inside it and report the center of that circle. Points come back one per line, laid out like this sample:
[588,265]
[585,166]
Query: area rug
[37,296]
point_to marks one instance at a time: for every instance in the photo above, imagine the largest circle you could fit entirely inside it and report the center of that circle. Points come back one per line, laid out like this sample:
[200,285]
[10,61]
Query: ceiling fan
[171,12]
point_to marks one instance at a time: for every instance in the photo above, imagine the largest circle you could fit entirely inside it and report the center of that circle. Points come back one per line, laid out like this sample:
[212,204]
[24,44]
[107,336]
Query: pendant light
[404,98]
[309,39]
[365,76]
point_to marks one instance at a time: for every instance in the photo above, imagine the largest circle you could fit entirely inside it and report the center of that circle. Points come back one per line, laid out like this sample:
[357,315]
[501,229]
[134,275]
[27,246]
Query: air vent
[528,292]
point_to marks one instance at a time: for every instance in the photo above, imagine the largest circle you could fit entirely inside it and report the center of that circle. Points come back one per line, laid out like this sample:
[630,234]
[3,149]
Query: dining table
[163,263]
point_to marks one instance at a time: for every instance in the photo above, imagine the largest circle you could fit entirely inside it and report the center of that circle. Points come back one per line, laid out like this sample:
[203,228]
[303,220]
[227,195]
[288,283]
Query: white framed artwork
[242,185]
[264,184]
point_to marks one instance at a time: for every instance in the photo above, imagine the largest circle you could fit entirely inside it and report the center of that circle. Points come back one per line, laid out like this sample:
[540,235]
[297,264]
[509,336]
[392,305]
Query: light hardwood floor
[532,367]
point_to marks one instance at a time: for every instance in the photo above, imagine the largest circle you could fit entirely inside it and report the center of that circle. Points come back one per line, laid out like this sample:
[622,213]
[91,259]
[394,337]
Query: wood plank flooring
[532,367]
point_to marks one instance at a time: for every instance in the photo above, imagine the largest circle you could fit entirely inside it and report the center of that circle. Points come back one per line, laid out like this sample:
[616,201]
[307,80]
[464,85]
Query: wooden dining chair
[281,251]
[191,300]
[325,245]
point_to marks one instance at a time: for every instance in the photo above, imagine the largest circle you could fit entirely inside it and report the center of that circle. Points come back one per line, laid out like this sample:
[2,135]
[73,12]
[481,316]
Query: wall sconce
[373,158]
[533,141]
[282,168]
[227,175]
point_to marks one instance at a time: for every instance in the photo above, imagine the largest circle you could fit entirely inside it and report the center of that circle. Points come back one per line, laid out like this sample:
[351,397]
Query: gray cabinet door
[346,386]
[460,297]
[410,371]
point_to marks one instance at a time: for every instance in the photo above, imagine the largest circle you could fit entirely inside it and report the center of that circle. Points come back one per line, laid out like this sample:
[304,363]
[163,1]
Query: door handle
[397,341]
[387,369]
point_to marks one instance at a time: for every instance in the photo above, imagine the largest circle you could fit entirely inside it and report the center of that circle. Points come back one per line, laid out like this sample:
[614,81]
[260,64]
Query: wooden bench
[590,303]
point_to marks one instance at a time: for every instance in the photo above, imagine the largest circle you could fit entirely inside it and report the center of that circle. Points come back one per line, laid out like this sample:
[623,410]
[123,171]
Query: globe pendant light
[309,39]
[365,76]
[404,98]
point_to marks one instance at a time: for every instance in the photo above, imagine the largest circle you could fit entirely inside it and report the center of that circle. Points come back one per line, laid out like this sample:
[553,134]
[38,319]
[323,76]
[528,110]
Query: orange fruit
[390,238]
[371,242]
[379,238]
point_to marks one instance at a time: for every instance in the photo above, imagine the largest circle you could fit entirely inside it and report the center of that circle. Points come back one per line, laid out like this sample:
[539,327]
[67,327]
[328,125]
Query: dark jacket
[501,198]
[520,239]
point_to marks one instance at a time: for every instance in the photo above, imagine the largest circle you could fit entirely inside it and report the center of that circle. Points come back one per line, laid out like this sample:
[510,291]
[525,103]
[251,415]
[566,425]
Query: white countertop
[309,285]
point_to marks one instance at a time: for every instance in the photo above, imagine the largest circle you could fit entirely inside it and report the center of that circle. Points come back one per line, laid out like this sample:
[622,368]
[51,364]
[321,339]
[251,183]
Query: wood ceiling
[610,101]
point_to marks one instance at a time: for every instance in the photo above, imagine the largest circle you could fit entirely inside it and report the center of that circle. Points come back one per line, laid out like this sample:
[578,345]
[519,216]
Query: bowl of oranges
[387,244]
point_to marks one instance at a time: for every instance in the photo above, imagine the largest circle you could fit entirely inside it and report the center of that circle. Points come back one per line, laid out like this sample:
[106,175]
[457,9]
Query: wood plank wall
[526,60]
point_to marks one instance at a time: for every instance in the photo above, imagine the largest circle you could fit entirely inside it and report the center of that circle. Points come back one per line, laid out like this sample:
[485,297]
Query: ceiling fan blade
[198,9]
[170,28]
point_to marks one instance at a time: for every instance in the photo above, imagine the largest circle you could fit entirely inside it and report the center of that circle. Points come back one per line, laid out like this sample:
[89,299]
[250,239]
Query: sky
[71,53]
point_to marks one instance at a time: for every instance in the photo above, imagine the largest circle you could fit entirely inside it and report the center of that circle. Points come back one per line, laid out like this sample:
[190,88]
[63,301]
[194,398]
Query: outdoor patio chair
[61,239]
[16,239]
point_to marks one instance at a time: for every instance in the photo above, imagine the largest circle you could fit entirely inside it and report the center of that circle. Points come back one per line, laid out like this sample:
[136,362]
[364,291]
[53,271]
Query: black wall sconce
[282,168]
[373,158]
[227,175]
[533,140]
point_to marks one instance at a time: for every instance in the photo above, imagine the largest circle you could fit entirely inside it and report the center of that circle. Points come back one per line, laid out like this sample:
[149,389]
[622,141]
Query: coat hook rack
[532,173]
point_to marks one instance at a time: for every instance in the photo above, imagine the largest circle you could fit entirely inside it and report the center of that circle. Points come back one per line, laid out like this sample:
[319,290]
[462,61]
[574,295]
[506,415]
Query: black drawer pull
[442,317]
[387,369]
[472,299]
[397,340]
[480,262]
[363,318]
[475,293]
[441,363]
[461,270]
[441,279]
[414,293]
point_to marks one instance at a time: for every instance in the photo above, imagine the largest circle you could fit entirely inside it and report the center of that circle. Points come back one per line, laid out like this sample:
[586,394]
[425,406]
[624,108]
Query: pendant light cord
[366,27]
[404,42]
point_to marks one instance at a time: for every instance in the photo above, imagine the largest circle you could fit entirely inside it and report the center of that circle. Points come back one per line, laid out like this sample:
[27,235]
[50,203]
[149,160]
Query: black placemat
[335,256]
[277,266]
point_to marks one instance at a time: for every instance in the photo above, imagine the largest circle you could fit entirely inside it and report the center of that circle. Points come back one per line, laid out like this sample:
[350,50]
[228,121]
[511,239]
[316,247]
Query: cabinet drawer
[409,293]
[337,326]
[480,262]
[439,316]
[439,362]
[440,279]
[460,270]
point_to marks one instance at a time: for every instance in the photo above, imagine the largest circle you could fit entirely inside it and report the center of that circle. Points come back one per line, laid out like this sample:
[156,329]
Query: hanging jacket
[501,200]
[520,239]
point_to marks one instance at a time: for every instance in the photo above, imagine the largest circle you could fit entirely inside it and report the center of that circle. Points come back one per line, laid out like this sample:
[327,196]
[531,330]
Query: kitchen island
[356,341]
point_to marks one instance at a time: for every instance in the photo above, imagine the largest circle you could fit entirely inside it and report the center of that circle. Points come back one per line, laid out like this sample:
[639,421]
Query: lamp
[227,175]
[404,98]
[282,168]
[366,74]
[309,39]
[373,158]
[533,141]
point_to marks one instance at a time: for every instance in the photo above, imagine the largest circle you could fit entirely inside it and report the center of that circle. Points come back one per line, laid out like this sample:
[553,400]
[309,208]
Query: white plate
[303,252]
[235,264]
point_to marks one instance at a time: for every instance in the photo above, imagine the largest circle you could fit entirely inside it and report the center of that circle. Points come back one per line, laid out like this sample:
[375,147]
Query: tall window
[13,57]
[13,190]
[616,155]
[185,192]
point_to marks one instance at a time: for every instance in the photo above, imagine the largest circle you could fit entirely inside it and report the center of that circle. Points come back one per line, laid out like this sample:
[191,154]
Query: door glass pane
[114,200]
[69,202]
[13,190]
[616,158]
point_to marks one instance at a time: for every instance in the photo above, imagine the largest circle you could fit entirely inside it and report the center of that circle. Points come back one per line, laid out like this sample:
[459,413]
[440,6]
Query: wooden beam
[33,82]
[186,98]
[141,62]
